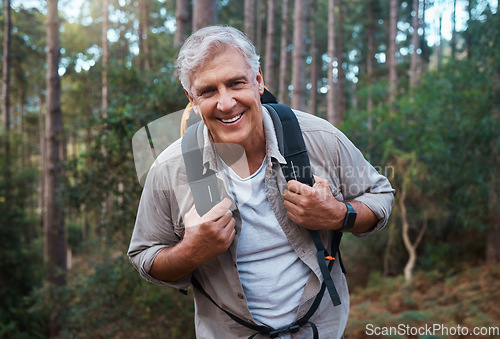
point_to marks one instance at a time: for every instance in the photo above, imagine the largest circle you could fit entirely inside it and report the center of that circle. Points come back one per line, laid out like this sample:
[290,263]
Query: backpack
[205,191]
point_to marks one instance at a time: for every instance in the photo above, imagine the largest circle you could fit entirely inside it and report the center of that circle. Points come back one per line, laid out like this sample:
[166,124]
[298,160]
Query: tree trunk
[299,55]
[387,251]
[140,35]
[269,77]
[341,99]
[182,20]
[391,58]
[55,232]
[440,45]
[330,97]
[105,86]
[314,62]
[283,86]
[204,13]
[468,35]
[454,30]
[369,63]
[41,193]
[416,46]
[260,15]
[493,239]
[423,64]
[105,58]
[6,77]
[250,19]
[410,247]
[143,31]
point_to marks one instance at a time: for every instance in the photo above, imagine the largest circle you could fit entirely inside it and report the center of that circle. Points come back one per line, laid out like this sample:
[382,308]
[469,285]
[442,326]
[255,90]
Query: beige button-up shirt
[166,198]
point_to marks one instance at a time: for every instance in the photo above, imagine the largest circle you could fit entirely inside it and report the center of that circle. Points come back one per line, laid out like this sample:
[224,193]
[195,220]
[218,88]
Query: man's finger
[290,206]
[218,210]
[297,187]
[320,181]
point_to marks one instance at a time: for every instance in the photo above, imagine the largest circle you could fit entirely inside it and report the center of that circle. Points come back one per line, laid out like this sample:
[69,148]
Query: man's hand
[205,238]
[213,233]
[314,207]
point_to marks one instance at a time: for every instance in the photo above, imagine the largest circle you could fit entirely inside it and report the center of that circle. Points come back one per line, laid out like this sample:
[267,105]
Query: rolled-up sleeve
[154,228]
[360,181]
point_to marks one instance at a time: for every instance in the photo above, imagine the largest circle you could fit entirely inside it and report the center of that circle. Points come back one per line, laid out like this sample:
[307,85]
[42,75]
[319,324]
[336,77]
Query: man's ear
[195,107]
[260,81]
[189,97]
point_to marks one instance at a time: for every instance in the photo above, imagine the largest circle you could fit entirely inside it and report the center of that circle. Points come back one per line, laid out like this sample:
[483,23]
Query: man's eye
[237,84]
[207,92]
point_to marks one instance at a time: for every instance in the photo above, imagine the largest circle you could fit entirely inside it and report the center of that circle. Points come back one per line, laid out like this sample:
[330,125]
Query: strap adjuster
[288,329]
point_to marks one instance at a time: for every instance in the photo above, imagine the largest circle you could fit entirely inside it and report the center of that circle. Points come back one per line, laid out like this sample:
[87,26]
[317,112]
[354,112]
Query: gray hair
[202,45]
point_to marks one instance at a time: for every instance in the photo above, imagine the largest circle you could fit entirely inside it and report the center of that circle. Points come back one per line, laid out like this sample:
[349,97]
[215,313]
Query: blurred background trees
[415,84]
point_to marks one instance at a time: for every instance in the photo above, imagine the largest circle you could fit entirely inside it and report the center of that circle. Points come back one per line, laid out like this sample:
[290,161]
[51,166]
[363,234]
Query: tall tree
[54,225]
[143,32]
[105,89]
[204,13]
[439,53]
[331,112]
[182,20]
[299,55]
[422,25]
[250,19]
[391,58]
[283,87]
[454,30]
[416,45]
[260,15]
[341,94]
[7,31]
[369,60]
[270,37]
[314,61]
[468,36]
[105,58]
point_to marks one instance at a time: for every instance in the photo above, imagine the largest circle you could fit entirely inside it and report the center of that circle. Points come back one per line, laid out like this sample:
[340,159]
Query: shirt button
[241,296]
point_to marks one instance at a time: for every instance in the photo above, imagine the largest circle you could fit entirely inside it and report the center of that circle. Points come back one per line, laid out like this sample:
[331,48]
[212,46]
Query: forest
[415,84]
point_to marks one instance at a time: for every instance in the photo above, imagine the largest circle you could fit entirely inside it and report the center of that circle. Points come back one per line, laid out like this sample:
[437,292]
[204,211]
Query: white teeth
[231,120]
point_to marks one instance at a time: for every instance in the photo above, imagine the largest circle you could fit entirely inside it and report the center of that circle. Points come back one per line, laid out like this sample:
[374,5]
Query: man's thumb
[322,182]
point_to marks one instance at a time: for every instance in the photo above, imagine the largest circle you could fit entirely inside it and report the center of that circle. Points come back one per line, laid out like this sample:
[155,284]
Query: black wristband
[350,218]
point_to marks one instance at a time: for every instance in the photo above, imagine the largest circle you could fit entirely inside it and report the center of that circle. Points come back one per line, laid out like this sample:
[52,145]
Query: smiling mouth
[228,121]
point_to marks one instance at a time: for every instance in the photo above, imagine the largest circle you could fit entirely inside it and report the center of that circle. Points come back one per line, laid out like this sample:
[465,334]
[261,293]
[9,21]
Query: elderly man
[252,255]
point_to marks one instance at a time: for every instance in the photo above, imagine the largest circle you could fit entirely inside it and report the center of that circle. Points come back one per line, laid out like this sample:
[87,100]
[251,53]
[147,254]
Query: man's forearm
[174,263]
[365,219]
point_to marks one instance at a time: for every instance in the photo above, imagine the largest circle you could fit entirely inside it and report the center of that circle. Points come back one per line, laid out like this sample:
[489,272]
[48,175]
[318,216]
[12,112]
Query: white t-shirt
[271,273]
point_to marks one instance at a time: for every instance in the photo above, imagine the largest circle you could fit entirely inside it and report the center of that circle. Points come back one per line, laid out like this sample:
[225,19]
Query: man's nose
[225,101]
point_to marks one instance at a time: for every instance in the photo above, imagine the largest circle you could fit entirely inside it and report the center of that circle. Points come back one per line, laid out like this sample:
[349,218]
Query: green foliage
[105,297]
[20,255]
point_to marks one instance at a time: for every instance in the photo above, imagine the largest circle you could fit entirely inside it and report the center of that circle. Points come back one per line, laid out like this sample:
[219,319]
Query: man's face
[227,95]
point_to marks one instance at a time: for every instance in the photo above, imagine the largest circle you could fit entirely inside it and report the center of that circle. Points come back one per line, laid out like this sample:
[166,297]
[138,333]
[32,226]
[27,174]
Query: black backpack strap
[294,148]
[259,329]
[298,168]
[203,186]
[267,330]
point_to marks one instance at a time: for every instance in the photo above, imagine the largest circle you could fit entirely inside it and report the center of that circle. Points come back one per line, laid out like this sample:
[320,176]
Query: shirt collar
[272,149]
